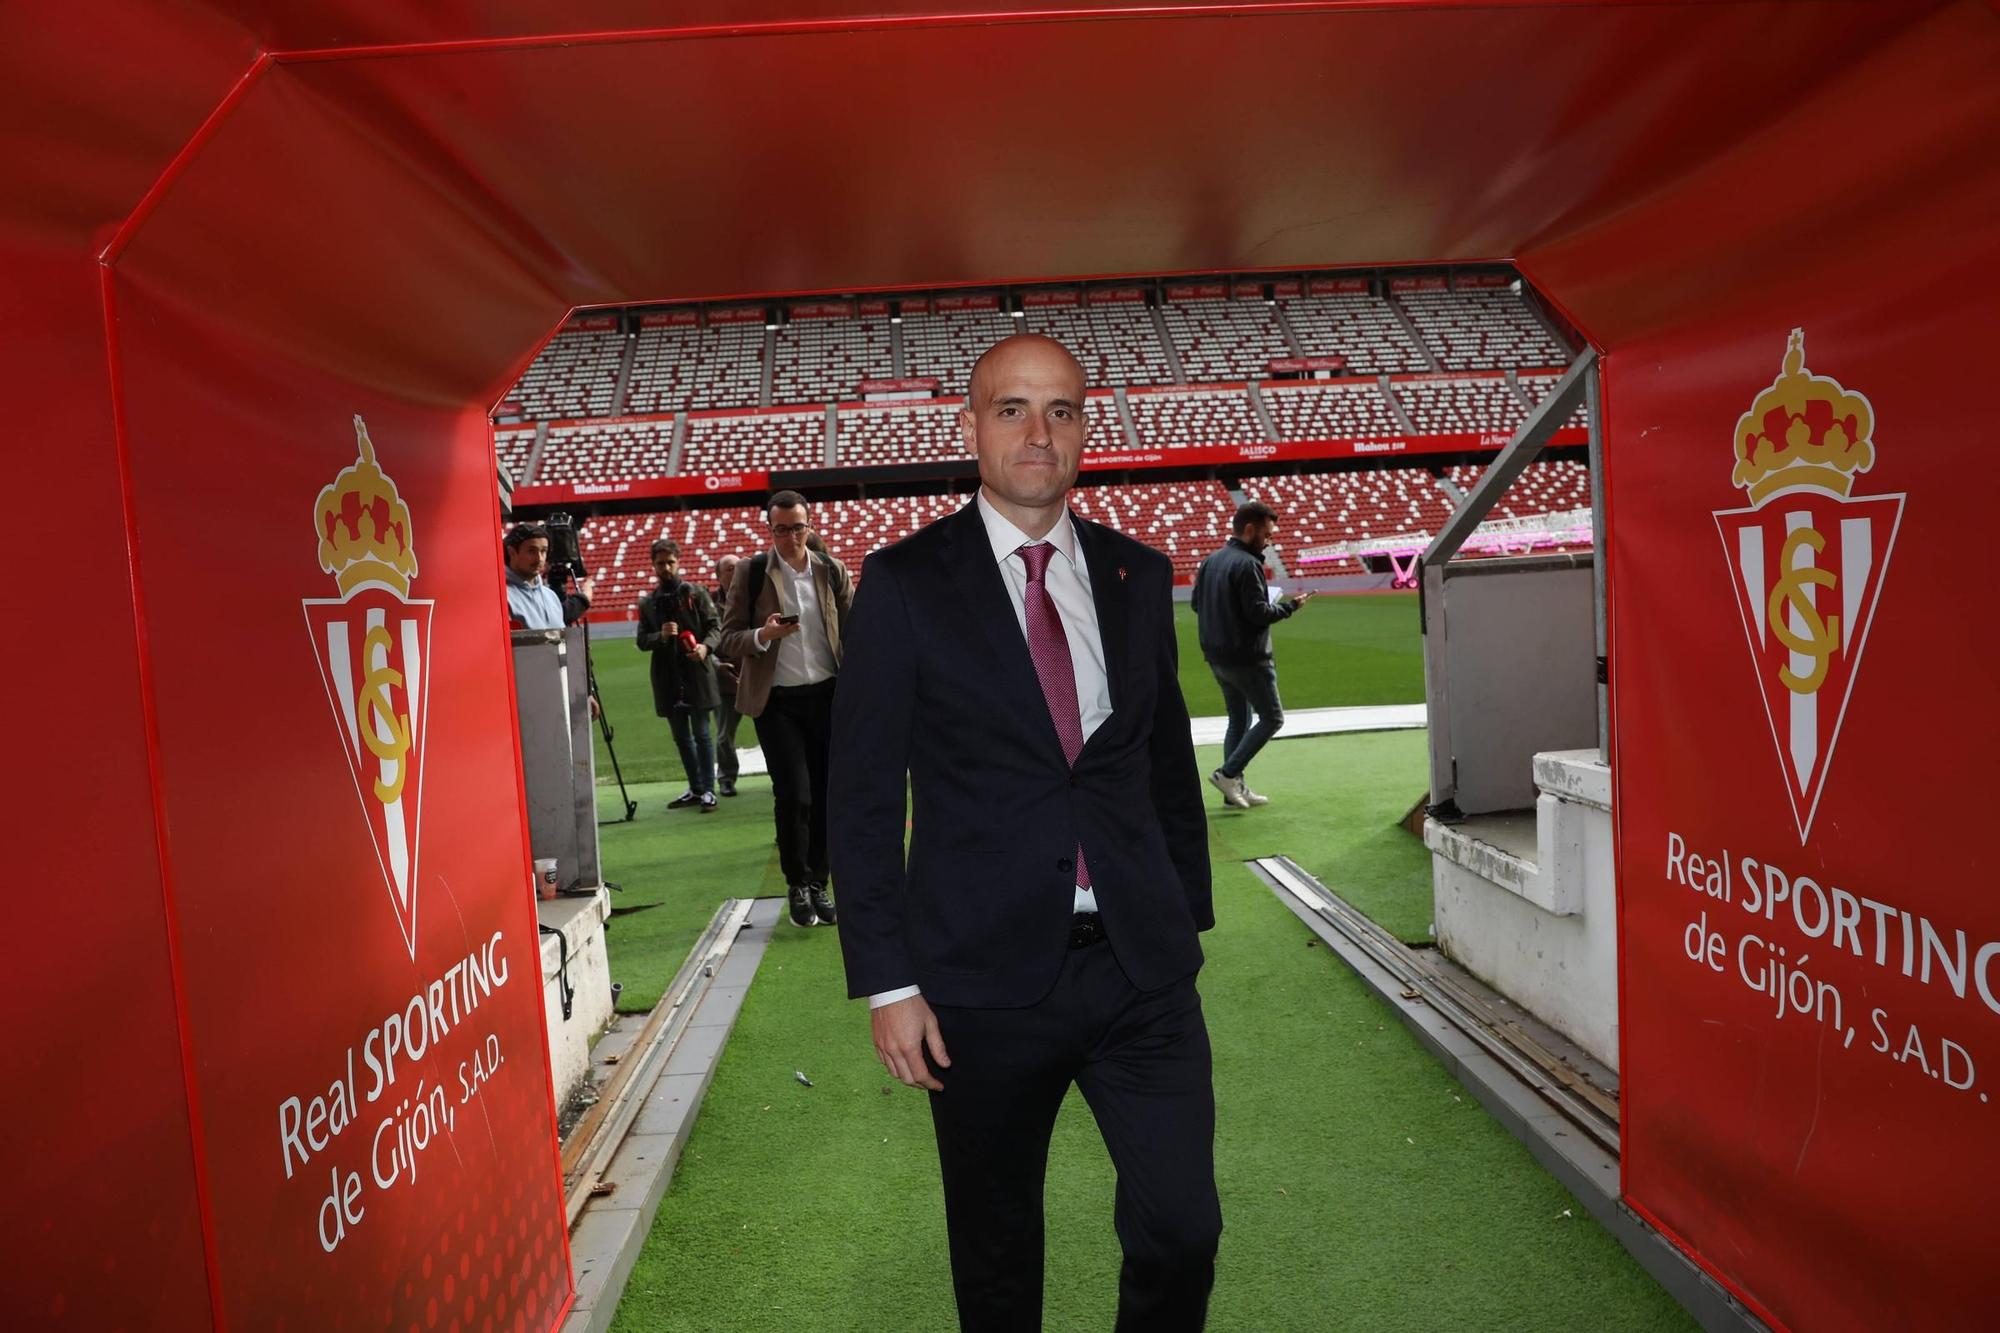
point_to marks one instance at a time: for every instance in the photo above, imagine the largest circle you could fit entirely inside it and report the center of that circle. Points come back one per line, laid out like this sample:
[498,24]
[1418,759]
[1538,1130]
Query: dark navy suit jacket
[937,684]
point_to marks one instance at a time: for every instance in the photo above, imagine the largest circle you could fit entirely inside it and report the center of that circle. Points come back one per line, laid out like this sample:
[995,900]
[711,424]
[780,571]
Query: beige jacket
[742,620]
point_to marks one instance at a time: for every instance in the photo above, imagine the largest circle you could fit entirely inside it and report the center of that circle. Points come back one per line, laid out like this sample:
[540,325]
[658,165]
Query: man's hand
[1301,598]
[902,1030]
[670,629]
[585,586]
[775,628]
[699,652]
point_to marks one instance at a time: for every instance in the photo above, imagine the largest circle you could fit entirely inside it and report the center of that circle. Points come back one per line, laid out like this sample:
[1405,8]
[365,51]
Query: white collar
[1006,539]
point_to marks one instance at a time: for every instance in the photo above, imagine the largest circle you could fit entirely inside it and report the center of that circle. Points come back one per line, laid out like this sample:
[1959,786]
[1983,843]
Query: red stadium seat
[575,376]
[1481,328]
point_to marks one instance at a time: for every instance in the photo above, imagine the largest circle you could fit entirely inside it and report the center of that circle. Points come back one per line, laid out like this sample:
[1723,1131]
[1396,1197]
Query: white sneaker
[1252,797]
[1231,789]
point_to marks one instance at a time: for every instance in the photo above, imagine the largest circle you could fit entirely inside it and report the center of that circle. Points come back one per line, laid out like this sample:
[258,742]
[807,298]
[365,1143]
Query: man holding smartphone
[1235,610]
[782,626]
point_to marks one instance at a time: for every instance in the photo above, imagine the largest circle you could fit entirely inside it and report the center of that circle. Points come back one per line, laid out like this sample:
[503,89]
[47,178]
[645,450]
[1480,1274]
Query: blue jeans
[1252,687]
[695,739]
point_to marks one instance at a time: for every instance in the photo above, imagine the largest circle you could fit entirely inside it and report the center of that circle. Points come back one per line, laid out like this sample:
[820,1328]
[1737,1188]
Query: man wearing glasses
[785,611]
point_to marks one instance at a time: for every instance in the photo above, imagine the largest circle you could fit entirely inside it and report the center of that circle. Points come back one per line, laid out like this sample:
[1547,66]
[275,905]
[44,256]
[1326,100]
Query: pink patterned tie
[1049,647]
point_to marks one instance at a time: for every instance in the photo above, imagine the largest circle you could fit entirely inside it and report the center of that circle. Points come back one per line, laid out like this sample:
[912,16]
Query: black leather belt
[1086,929]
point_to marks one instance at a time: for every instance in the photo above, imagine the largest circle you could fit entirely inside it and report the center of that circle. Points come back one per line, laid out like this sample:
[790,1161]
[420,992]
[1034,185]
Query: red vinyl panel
[391,232]
[106,1222]
[1840,1182]
[265,305]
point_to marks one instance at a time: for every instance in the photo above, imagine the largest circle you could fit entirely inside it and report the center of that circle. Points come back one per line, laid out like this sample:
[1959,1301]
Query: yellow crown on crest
[1805,430]
[364,526]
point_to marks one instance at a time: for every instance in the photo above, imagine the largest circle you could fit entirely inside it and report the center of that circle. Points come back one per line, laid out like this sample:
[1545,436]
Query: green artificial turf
[1337,652]
[675,868]
[1336,806]
[1362,1187]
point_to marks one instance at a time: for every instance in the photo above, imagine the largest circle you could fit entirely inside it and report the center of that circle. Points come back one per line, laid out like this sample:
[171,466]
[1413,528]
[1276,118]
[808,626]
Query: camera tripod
[604,729]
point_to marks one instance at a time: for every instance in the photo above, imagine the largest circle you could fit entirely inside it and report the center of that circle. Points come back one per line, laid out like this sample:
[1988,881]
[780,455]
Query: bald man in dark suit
[1018,664]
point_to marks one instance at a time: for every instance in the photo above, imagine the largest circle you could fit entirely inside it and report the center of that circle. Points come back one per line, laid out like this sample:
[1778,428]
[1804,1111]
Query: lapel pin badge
[1121,573]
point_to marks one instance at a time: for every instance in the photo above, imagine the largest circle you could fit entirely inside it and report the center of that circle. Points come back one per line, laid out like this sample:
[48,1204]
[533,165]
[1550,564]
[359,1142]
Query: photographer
[678,625]
[531,602]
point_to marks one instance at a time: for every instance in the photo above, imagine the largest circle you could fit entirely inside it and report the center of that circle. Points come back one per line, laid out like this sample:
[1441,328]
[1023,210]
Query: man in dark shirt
[1234,608]
[679,627]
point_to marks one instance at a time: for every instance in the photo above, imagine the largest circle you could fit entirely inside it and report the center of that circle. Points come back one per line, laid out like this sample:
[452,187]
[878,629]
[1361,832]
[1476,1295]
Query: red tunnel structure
[233,228]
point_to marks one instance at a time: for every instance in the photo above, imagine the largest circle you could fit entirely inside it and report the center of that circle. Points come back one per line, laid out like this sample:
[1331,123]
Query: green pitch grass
[673,868]
[1362,1187]
[1337,652]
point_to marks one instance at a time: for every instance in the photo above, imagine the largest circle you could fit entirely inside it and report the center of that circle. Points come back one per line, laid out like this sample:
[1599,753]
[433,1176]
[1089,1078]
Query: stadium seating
[889,433]
[514,447]
[769,441]
[854,529]
[1335,411]
[1186,519]
[1117,344]
[1554,486]
[606,451]
[718,374]
[1357,325]
[575,376]
[721,365]
[822,360]
[914,433]
[1484,404]
[1481,329]
[666,362]
[1196,417]
[1538,387]
[1317,508]
[616,549]
[944,344]
[1218,341]
[1107,432]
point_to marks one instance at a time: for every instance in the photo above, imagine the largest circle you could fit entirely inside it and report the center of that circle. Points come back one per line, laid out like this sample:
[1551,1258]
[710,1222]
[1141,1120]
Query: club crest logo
[372,644]
[1808,558]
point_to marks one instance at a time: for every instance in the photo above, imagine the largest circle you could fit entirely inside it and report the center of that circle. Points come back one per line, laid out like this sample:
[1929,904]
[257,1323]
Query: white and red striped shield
[373,648]
[1808,567]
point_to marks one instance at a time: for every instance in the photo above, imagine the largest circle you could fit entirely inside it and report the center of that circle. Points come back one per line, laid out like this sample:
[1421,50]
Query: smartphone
[788,620]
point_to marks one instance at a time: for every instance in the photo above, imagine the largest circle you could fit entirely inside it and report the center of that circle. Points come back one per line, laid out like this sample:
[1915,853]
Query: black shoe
[683,801]
[708,802]
[729,786]
[821,904]
[801,905]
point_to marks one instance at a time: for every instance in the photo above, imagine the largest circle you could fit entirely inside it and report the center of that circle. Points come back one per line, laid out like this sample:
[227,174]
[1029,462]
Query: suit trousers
[1142,1061]
[795,729]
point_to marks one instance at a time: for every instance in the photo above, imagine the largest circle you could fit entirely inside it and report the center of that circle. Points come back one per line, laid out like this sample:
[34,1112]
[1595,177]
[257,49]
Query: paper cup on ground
[546,885]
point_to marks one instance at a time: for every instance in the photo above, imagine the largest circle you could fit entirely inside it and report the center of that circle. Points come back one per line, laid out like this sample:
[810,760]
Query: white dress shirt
[1067,579]
[804,658]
